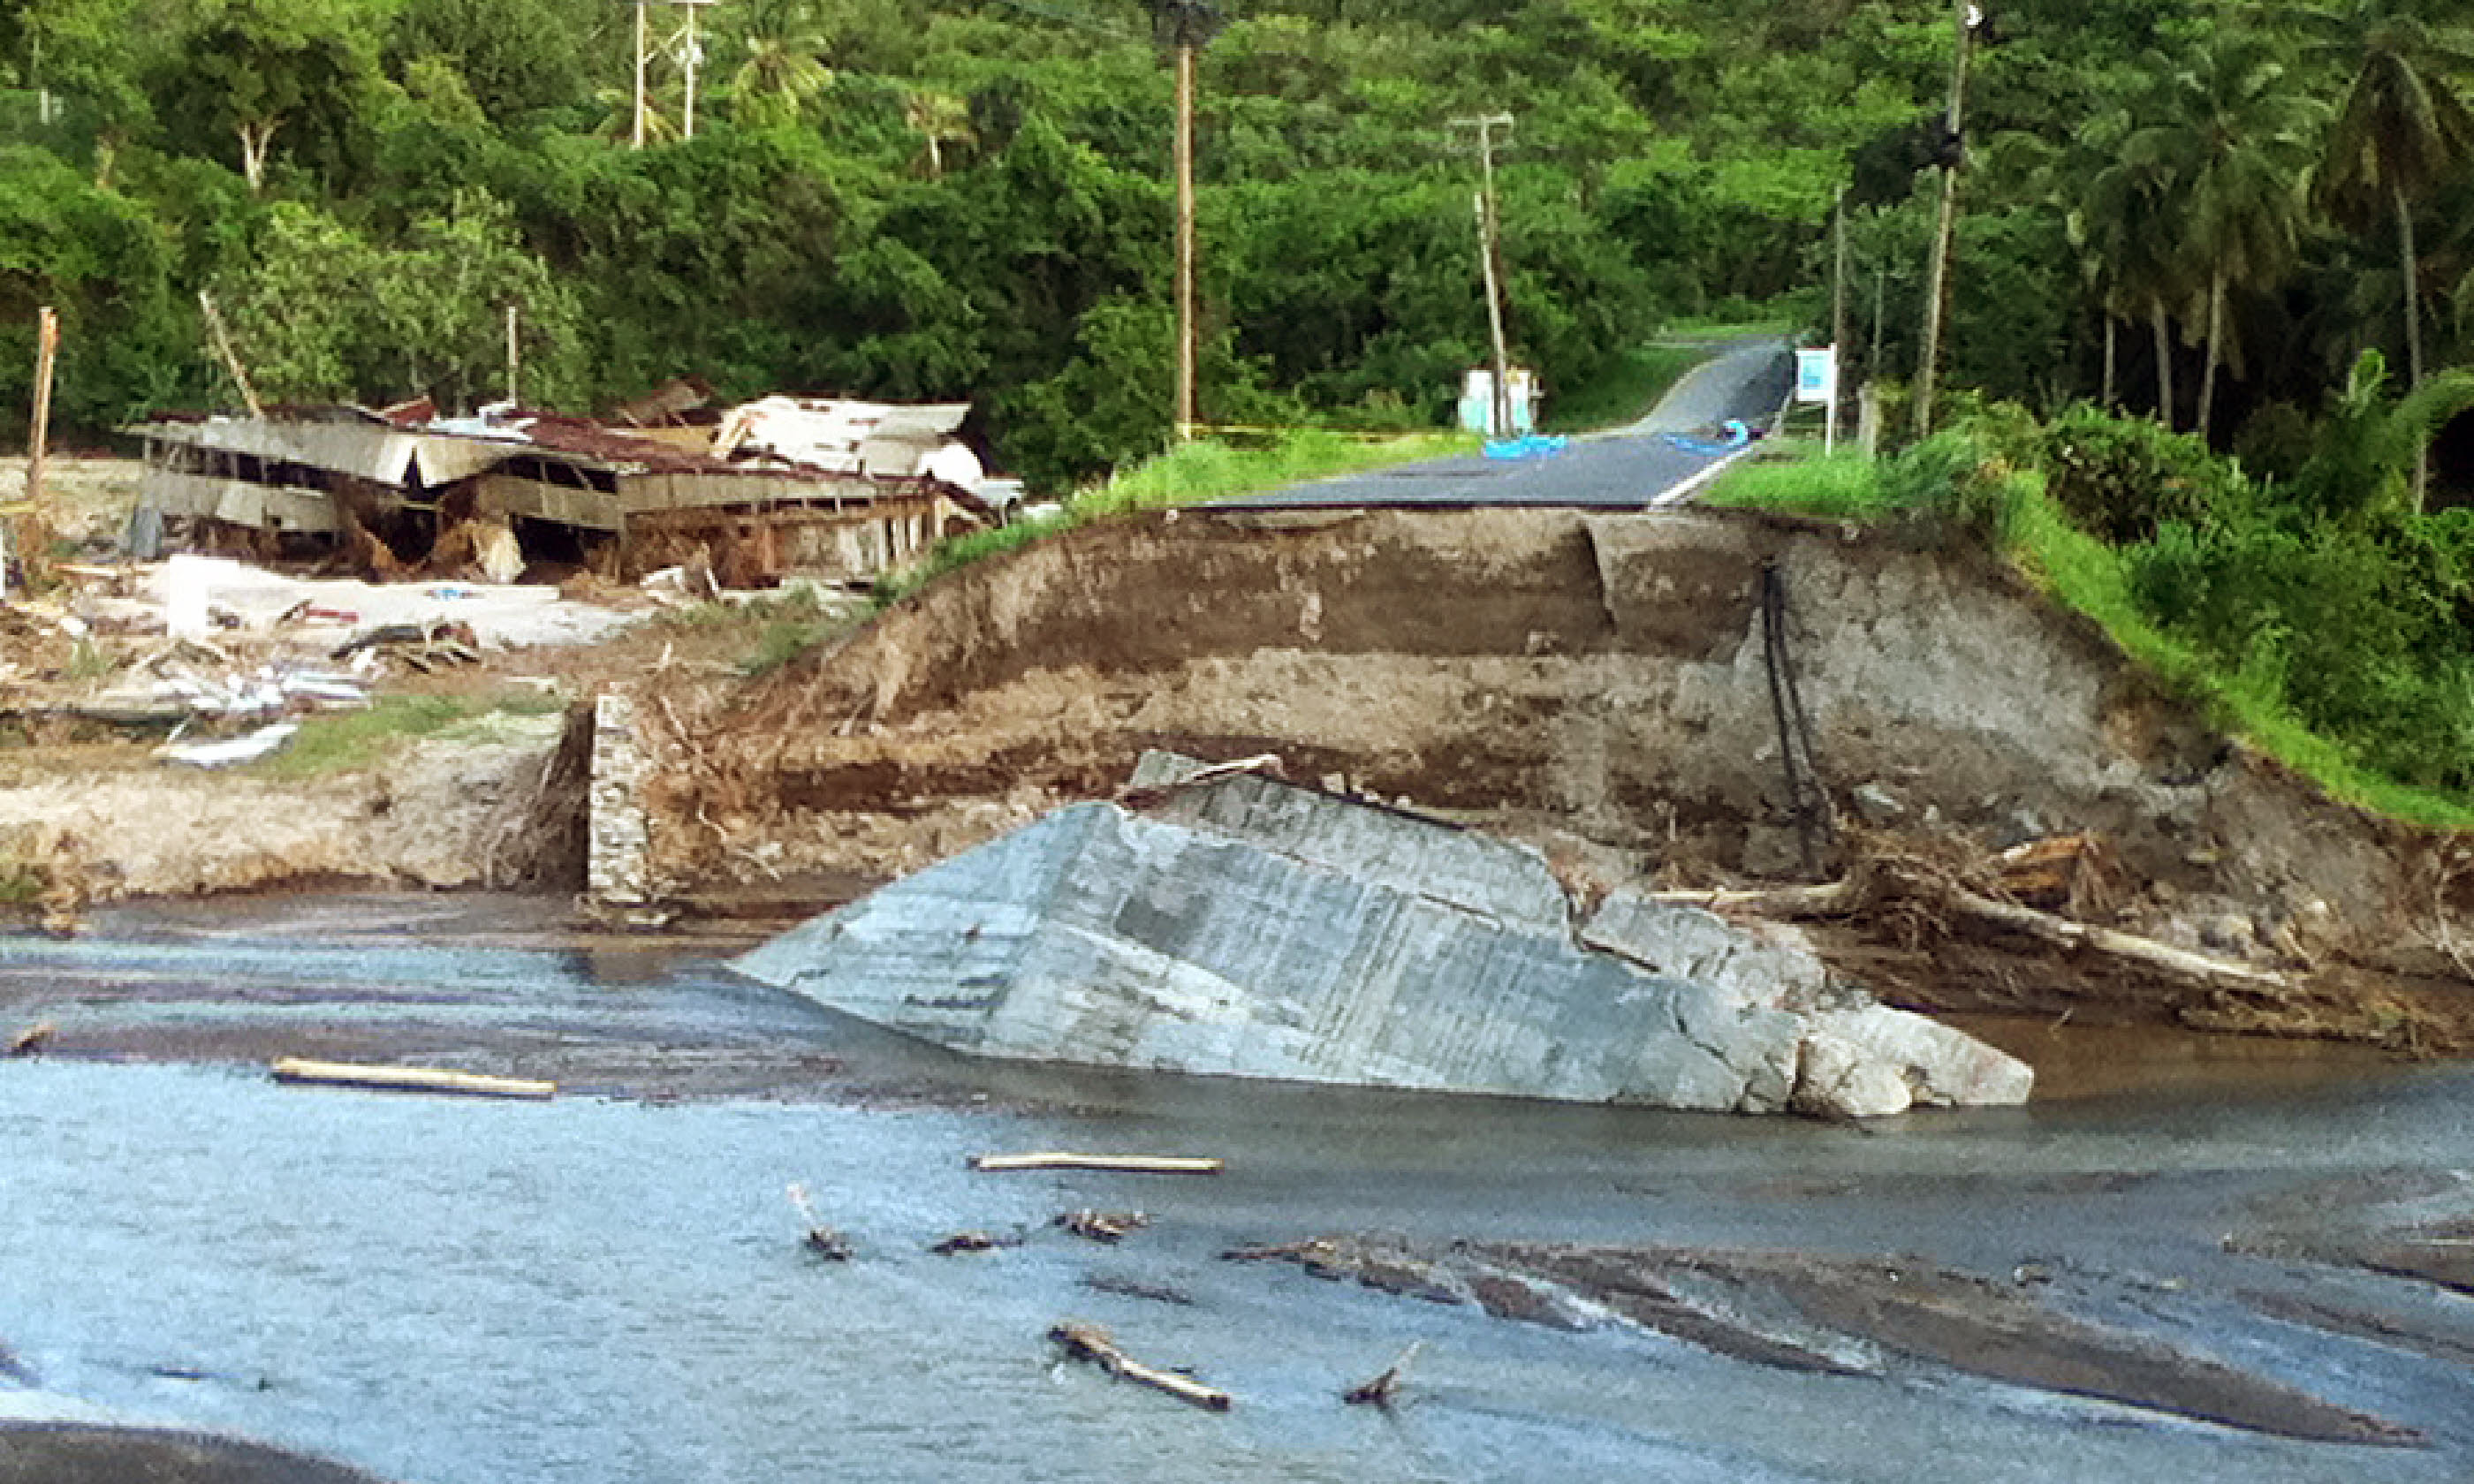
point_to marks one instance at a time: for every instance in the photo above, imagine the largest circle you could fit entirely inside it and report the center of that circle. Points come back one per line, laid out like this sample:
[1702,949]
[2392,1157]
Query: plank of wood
[1091,1343]
[1130,1163]
[408,1079]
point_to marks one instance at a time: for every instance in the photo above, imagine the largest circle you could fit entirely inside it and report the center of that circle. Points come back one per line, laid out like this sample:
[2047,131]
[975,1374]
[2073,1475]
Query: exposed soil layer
[1600,685]
[1838,1316]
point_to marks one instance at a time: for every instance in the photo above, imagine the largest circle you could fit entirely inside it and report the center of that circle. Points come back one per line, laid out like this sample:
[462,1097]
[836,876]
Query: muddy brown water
[610,1287]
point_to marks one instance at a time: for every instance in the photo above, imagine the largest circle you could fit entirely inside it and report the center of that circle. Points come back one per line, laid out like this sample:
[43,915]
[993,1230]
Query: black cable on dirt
[1805,795]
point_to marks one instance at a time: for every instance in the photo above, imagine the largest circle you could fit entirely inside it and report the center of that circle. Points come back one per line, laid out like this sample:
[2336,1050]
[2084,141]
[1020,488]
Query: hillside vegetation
[959,200]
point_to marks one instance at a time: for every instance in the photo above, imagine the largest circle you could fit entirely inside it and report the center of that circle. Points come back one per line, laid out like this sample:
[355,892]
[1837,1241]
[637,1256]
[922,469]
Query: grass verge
[1626,392]
[334,742]
[2089,576]
[1196,473]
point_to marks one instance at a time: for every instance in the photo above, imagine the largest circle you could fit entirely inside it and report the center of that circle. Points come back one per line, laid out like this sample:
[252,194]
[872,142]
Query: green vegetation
[2337,643]
[333,742]
[1625,390]
[1195,474]
[2191,207]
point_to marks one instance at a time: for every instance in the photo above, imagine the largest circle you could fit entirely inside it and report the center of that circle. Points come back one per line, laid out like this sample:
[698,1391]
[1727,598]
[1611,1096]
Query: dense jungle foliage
[2203,211]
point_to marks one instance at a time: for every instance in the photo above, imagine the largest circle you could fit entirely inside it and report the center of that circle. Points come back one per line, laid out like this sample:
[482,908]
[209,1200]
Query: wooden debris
[1268,764]
[1877,882]
[1384,1389]
[826,1242]
[1130,1163]
[408,1079]
[1091,1343]
[972,1241]
[1101,1226]
[1135,1288]
[32,1040]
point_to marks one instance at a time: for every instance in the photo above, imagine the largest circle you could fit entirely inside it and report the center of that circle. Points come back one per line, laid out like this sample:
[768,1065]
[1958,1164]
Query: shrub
[2121,478]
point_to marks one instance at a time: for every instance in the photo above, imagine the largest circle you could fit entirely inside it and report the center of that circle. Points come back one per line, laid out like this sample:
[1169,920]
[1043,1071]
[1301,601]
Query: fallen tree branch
[1130,1163]
[1876,881]
[1384,1389]
[408,1079]
[1091,1343]
[1828,899]
[1268,764]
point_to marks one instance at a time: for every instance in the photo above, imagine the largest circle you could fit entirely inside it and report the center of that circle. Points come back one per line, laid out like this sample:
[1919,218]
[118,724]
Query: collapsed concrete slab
[1252,929]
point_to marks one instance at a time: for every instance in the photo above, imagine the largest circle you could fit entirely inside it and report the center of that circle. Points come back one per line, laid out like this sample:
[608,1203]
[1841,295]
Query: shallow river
[605,1289]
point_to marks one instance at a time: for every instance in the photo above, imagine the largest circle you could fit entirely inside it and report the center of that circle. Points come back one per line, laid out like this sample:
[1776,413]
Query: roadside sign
[1816,374]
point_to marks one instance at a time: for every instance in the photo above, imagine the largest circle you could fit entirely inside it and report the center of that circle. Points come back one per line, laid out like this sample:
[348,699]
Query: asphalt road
[1626,469]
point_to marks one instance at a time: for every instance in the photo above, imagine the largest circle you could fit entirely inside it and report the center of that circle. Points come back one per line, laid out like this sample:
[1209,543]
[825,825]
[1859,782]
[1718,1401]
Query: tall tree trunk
[2107,400]
[256,136]
[2412,332]
[2164,364]
[2215,340]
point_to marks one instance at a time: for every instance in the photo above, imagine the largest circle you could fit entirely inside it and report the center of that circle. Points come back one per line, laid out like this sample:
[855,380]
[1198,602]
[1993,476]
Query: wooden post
[33,539]
[1184,240]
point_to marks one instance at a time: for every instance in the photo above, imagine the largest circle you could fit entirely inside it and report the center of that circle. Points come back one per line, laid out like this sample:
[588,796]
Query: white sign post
[1816,380]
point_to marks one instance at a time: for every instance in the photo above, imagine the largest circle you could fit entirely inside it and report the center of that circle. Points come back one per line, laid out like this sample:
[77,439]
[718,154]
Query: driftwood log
[1091,1343]
[409,1079]
[30,1039]
[1384,1389]
[826,1242]
[1879,881]
[1101,1226]
[1130,1163]
[972,1241]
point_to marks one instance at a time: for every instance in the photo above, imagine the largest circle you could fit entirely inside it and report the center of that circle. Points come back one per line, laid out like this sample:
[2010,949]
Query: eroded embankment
[1598,684]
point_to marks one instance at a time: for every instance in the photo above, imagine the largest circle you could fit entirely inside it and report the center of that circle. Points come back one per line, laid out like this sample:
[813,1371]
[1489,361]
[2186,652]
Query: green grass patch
[334,742]
[1840,486]
[1626,391]
[1195,474]
[1696,330]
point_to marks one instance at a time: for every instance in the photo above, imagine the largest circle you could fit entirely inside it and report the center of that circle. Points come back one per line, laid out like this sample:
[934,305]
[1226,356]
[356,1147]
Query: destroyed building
[836,489]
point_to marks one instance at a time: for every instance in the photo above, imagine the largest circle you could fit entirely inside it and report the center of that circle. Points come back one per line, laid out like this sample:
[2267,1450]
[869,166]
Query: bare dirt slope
[1597,685]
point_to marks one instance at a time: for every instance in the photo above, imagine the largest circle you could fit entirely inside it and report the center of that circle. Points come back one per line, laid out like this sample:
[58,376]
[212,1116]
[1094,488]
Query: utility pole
[1184,243]
[1837,307]
[514,362]
[681,48]
[1488,262]
[1185,27]
[1953,154]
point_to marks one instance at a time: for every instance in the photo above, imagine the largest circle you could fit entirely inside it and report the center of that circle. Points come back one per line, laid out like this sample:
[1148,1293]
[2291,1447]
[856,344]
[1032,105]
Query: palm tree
[2402,131]
[2234,139]
[785,68]
[938,119]
[2128,223]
